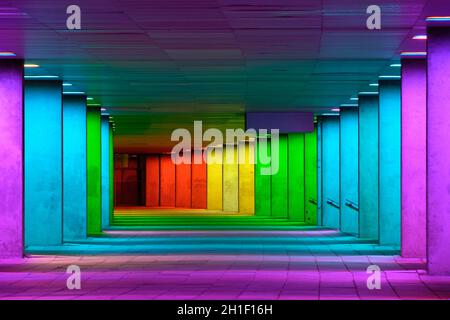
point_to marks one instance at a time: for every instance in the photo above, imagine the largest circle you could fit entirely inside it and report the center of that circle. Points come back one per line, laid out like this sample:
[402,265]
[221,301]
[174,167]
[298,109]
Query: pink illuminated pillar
[11,155]
[414,117]
[438,155]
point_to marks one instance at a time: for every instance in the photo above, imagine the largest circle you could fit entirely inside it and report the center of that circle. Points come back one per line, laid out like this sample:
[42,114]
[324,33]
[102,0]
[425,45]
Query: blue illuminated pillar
[330,172]
[349,170]
[390,161]
[74,166]
[368,166]
[106,172]
[43,162]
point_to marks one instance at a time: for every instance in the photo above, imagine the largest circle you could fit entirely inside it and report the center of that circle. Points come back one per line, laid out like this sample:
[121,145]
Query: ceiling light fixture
[73,92]
[390,77]
[67,84]
[30,65]
[354,99]
[7,54]
[41,77]
[374,84]
[438,18]
[413,53]
[349,105]
[368,92]
[396,65]
[420,37]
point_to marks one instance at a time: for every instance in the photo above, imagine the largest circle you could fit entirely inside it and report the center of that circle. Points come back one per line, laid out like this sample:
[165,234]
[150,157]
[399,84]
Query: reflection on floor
[315,264]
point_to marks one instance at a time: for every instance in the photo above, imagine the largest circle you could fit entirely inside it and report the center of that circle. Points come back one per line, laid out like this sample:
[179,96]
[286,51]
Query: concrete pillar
[246,155]
[296,176]
[390,162]
[279,192]
[330,172]
[230,181]
[349,170]
[438,154]
[263,184]
[414,157]
[74,168]
[368,166]
[43,163]
[311,177]
[319,174]
[11,153]
[106,170]
[94,172]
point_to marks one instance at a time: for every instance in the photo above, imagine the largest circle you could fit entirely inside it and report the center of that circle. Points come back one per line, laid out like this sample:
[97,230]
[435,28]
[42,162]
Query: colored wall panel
[198,182]
[438,155]
[152,181]
[349,171]
[414,158]
[230,179]
[246,152]
[74,168]
[390,162]
[167,181]
[311,177]
[43,162]
[94,190]
[368,166]
[280,180]
[111,174]
[296,176]
[263,184]
[285,122]
[183,185]
[319,174]
[330,171]
[214,180]
[11,153]
[105,162]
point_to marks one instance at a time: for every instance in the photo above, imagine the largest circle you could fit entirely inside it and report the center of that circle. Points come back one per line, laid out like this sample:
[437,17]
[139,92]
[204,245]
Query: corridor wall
[11,153]
[74,168]
[330,172]
[390,162]
[349,170]
[94,190]
[43,162]
[368,166]
[311,170]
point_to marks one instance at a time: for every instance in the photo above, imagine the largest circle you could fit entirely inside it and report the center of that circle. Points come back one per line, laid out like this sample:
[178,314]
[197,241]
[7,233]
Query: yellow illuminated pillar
[247,177]
[214,178]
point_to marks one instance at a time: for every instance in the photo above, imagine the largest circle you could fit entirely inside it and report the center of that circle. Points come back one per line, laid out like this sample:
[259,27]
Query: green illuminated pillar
[280,181]
[263,183]
[94,203]
[311,177]
[296,179]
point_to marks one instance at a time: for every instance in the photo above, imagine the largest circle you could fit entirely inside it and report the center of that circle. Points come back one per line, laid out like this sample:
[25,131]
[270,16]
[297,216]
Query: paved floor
[320,264]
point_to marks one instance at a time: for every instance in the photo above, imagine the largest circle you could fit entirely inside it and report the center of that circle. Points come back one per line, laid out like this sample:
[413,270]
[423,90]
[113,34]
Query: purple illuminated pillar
[11,155]
[414,117]
[438,155]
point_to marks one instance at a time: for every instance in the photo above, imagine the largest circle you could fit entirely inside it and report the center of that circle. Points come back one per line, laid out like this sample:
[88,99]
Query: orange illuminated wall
[198,182]
[167,181]
[183,185]
[152,181]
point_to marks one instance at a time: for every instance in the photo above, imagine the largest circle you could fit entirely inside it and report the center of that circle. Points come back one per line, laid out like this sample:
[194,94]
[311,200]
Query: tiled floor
[320,264]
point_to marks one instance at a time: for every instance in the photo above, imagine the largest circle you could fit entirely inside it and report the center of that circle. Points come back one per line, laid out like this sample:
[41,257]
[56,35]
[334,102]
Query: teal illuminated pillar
[390,161]
[319,173]
[94,190]
[263,185]
[330,172]
[43,163]
[311,177]
[74,167]
[280,181]
[349,170]
[368,166]
[106,170]
[296,176]
[111,173]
